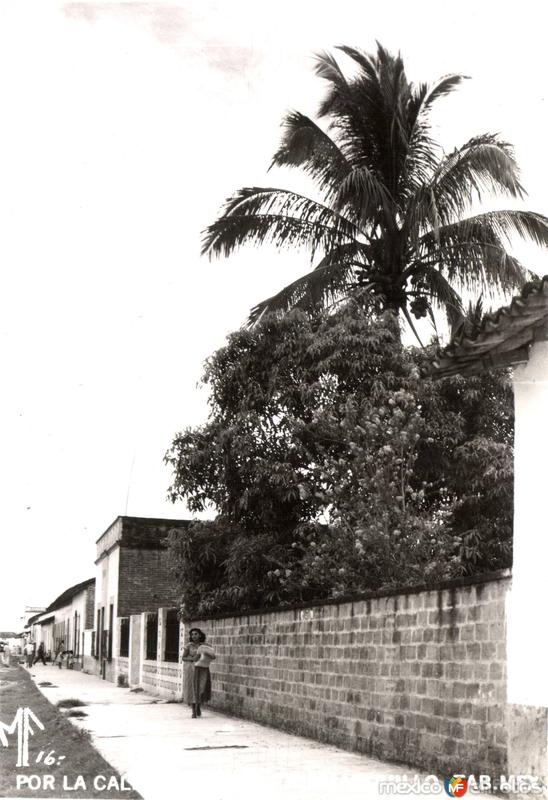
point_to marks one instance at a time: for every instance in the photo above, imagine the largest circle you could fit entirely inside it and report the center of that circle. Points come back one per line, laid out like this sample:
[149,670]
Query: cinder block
[399,666]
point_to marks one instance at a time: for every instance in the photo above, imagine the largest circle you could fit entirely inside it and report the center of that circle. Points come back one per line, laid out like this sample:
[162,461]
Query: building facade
[67,622]
[135,638]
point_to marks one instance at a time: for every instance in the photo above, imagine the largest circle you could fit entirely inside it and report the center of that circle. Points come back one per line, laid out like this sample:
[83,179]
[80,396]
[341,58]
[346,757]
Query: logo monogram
[22,726]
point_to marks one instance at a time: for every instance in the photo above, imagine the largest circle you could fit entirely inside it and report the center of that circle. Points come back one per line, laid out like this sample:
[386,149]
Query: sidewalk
[165,754]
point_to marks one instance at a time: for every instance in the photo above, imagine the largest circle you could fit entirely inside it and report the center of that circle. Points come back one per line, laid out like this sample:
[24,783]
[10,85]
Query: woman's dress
[189,694]
[196,679]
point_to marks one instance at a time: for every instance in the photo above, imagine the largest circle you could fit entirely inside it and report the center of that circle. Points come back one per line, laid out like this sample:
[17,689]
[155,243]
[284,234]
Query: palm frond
[529,225]
[445,85]
[304,144]
[421,158]
[327,282]
[435,284]
[356,254]
[365,62]
[363,110]
[472,252]
[328,69]
[362,196]
[484,164]
[422,152]
[466,321]
[255,216]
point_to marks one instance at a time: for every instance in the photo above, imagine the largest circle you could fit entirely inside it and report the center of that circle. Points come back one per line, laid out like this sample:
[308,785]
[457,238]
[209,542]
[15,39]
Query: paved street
[164,753]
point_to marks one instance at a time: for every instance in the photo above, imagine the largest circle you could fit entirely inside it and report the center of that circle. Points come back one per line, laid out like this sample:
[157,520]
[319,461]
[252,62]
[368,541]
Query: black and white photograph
[274,358]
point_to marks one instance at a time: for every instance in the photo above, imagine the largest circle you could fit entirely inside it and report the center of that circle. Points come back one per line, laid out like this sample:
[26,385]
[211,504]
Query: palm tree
[395,221]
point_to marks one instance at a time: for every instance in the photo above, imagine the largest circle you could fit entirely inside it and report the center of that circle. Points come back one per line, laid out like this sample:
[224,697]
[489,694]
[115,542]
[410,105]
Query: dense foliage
[393,217]
[335,467]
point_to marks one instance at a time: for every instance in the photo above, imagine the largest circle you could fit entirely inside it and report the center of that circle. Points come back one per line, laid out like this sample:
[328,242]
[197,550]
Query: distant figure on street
[59,652]
[40,654]
[197,656]
[29,653]
[70,659]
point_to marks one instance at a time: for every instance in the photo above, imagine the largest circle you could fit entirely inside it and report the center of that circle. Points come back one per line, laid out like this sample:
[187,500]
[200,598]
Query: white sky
[124,127]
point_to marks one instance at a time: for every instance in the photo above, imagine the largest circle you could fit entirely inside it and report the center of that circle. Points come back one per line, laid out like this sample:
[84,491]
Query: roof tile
[501,339]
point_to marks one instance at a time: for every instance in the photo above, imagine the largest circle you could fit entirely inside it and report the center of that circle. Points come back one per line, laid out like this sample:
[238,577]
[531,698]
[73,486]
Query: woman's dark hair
[200,631]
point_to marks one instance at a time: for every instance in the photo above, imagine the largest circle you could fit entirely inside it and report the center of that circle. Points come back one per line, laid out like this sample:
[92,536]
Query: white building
[63,625]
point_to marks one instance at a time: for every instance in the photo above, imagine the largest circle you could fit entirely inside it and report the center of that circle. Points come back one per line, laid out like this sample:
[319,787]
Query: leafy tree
[467,459]
[335,468]
[394,220]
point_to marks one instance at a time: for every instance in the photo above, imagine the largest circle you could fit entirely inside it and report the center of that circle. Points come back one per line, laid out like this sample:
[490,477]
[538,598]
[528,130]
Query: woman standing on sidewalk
[197,657]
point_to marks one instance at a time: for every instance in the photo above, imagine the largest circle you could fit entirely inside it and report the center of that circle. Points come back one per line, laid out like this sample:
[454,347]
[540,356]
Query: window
[60,641]
[172,636]
[97,637]
[100,639]
[152,637]
[104,643]
[124,637]
[110,631]
[76,635]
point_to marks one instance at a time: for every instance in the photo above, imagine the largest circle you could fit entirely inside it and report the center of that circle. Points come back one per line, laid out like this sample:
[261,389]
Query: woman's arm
[188,656]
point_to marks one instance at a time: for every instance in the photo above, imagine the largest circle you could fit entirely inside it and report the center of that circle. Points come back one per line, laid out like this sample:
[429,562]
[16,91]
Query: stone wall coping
[453,583]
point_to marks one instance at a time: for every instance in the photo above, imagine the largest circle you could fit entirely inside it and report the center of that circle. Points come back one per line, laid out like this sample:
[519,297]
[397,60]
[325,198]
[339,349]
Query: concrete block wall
[169,680]
[149,676]
[417,678]
[162,678]
[122,670]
